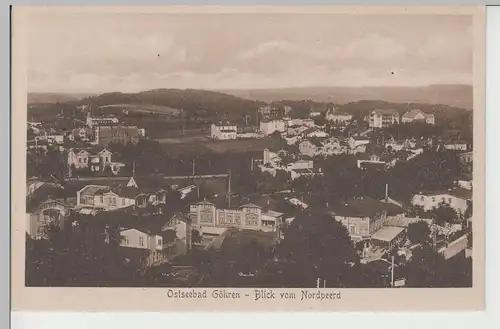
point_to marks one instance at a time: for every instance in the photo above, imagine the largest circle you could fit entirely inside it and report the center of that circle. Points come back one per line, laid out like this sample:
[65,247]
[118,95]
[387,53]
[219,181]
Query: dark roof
[365,207]
[152,224]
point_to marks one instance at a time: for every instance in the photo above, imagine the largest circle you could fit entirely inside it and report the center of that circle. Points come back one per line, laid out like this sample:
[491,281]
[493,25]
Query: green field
[204,145]
[144,108]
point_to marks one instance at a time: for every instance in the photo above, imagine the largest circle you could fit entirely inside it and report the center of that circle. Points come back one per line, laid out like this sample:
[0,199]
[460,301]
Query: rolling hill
[451,95]
[51,98]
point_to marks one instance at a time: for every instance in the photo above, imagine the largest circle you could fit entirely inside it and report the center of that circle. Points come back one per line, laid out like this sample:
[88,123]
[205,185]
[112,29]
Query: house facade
[223,131]
[458,199]
[204,216]
[97,121]
[418,116]
[269,126]
[48,213]
[96,197]
[363,217]
[383,118]
[96,160]
[158,243]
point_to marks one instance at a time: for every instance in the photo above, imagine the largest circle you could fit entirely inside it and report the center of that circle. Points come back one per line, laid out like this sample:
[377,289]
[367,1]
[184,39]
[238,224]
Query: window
[159,242]
[125,240]
[449,200]
[101,199]
[433,199]
[352,229]
[141,241]
[422,198]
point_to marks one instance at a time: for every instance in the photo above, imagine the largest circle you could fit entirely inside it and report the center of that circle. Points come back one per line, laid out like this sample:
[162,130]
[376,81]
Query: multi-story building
[269,126]
[104,135]
[383,118]
[363,217]
[205,216]
[94,198]
[156,240]
[97,121]
[223,131]
[94,159]
[418,116]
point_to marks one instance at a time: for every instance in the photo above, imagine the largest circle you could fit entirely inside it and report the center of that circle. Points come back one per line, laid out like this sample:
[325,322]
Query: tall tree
[419,232]
[316,246]
[426,268]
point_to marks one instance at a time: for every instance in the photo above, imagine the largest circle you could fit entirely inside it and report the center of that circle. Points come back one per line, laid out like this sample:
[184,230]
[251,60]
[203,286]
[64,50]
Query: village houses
[96,159]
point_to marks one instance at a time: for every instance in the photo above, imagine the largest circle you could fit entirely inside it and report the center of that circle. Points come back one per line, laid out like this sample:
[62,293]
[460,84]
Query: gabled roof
[94,190]
[413,113]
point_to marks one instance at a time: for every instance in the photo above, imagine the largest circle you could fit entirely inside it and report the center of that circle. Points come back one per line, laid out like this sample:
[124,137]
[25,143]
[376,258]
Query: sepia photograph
[221,154]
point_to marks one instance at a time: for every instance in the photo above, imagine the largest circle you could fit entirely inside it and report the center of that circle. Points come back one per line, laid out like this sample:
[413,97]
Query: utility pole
[251,164]
[386,192]
[229,191]
[392,272]
[133,169]
[194,160]
[324,283]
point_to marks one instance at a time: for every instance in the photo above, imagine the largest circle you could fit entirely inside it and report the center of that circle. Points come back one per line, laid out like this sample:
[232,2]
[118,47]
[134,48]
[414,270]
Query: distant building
[314,132]
[456,146]
[357,141]
[83,133]
[300,122]
[94,198]
[466,160]
[98,121]
[94,159]
[104,135]
[337,117]
[383,118]
[272,111]
[418,116]
[269,126]
[206,216]
[457,198]
[223,131]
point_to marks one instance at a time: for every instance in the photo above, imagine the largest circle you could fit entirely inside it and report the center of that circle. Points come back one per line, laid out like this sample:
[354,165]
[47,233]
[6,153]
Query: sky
[91,52]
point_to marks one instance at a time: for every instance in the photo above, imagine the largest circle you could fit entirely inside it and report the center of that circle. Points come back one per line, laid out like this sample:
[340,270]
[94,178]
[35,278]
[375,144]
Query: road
[82,179]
